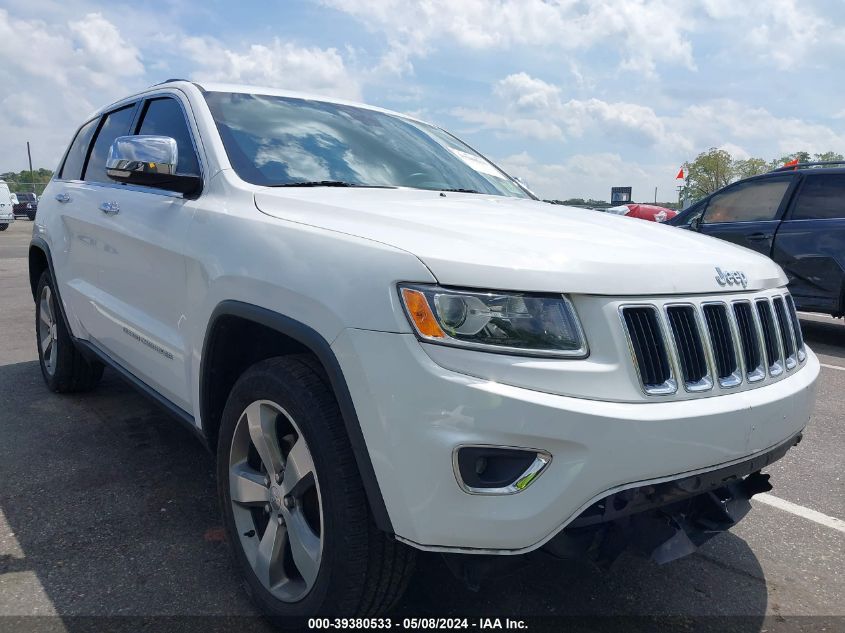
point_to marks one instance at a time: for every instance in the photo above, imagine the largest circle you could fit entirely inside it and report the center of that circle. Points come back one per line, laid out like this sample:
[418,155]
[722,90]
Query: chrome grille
[713,343]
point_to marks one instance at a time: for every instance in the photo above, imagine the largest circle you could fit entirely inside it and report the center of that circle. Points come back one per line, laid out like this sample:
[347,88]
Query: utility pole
[31,177]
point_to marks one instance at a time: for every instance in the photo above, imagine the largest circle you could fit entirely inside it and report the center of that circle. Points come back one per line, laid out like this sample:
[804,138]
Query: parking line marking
[832,366]
[801,511]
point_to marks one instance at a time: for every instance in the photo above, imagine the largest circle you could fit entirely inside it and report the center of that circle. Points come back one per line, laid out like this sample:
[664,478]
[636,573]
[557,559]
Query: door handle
[110,208]
[62,197]
[759,237]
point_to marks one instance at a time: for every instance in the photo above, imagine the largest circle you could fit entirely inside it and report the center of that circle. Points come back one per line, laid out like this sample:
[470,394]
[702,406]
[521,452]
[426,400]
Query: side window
[747,202]
[75,159]
[164,117]
[116,124]
[821,197]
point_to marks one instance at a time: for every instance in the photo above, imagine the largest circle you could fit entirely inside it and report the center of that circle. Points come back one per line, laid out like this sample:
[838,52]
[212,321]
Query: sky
[572,96]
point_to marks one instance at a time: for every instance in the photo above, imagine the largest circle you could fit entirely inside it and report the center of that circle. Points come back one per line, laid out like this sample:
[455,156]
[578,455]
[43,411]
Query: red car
[644,212]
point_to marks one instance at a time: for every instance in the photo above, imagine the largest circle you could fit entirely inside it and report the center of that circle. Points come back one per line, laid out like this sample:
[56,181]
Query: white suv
[393,346]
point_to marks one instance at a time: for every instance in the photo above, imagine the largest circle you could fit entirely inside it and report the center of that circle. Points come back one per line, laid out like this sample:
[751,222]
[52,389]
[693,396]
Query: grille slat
[650,353]
[721,341]
[773,354]
[750,343]
[688,343]
[785,332]
[796,327]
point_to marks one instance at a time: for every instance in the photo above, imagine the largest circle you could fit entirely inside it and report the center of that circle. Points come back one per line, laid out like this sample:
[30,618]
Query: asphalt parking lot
[108,508]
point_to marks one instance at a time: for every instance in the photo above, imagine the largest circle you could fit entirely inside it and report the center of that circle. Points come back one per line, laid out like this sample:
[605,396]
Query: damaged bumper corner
[669,520]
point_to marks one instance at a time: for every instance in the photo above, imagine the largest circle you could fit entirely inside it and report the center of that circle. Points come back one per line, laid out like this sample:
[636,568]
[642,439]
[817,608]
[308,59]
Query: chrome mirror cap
[150,161]
[146,154]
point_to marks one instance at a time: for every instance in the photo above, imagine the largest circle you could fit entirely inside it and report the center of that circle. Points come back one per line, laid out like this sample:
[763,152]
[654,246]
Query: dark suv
[27,205]
[796,216]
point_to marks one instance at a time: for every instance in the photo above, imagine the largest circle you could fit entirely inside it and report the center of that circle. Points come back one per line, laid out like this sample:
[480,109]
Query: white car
[7,215]
[392,346]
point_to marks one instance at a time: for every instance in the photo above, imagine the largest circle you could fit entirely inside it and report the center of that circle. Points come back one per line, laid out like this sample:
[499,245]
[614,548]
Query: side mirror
[149,161]
[695,223]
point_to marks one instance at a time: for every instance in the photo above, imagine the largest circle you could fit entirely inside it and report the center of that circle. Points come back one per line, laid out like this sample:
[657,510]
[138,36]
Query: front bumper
[414,413]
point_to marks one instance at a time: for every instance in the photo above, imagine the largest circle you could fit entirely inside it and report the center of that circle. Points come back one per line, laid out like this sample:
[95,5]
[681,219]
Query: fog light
[498,470]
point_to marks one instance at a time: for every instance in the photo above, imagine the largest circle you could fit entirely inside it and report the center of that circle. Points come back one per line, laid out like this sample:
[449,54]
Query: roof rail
[168,81]
[810,164]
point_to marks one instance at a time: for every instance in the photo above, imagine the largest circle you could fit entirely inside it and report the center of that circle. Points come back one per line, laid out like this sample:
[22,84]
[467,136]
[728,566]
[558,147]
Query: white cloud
[591,175]
[103,47]
[535,108]
[721,121]
[277,64]
[645,32]
[54,75]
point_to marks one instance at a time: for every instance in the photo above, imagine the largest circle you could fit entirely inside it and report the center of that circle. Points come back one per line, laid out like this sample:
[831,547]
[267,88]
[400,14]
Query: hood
[494,242]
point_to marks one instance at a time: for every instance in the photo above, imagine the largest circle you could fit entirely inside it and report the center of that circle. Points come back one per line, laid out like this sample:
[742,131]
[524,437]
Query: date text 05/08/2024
[417,623]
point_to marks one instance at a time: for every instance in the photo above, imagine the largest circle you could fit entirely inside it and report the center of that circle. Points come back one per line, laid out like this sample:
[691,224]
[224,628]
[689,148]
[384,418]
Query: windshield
[282,141]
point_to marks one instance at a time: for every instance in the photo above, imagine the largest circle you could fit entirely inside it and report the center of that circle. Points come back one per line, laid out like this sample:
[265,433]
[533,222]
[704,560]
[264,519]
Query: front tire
[293,503]
[64,368]
[3,227]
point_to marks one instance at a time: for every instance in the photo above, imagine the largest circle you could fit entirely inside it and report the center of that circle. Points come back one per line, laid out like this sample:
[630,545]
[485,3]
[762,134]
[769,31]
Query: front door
[748,213]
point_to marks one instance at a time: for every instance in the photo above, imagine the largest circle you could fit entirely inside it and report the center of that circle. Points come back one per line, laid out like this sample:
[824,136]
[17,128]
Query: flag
[680,175]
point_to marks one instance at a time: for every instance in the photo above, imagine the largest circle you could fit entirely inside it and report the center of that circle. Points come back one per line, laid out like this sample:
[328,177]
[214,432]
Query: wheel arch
[39,261]
[276,334]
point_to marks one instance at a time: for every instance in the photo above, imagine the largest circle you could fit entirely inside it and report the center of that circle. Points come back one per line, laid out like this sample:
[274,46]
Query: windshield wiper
[329,183]
[461,190]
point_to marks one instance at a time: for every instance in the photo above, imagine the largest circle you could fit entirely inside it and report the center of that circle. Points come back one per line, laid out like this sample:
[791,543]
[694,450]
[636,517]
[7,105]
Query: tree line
[26,181]
[715,168]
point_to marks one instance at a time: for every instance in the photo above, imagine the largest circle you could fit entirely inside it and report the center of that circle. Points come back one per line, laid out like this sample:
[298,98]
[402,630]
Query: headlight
[504,322]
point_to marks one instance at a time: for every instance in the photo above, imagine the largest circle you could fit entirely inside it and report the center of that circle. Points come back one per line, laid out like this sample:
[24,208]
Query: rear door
[748,213]
[66,215]
[810,244]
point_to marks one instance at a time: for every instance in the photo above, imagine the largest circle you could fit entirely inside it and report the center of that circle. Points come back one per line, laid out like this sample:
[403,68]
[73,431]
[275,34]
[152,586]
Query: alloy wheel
[48,330]
[275,499]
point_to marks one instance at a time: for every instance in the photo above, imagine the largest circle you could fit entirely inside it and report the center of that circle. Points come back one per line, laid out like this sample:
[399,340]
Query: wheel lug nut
[267,508]
[289,502]
[281,520]
[279,478]
[267,482]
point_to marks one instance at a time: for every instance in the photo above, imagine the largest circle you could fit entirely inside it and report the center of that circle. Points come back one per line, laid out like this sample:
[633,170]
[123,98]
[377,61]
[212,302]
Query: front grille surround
[742,337]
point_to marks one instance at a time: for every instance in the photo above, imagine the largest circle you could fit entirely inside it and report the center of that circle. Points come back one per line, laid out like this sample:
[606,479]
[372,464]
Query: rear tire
[287,405]
[64,368]
[3,227]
